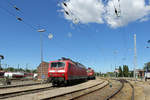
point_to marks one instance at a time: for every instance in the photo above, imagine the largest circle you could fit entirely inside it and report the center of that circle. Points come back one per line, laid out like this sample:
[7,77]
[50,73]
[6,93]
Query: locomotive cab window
[57,64]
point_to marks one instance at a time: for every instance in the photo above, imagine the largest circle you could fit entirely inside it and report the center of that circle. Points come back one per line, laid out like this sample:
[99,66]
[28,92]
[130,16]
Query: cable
[14,6]
[7,11]
[75,19]
[29,25]
[117,12]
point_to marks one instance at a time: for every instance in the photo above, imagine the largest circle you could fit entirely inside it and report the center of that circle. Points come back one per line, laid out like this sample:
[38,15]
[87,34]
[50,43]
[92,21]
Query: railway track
[117,91]
[121,87]
[21,85]
[78,93]
[132,97]
[75,95]
[24,92]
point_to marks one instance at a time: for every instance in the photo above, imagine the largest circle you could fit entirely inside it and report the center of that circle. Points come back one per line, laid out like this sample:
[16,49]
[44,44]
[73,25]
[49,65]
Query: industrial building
[42,70]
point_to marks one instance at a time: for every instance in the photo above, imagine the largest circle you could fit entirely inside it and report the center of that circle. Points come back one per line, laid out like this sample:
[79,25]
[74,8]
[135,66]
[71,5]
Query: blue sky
[92,44]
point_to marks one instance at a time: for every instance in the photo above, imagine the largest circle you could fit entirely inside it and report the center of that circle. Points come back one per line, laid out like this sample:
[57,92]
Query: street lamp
[41,43]
[1,57]
[41,49]
[50,36]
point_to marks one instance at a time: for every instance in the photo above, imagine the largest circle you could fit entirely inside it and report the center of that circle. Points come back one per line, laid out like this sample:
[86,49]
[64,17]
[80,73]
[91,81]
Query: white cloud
[131,10]
[95,11]
[144,19]
[89,11]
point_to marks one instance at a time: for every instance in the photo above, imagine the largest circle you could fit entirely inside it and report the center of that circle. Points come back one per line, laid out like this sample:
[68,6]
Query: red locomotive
[65,71]
[90,73]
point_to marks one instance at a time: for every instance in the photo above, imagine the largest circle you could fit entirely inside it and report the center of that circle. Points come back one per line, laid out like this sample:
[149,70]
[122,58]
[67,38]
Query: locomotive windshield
[57,64]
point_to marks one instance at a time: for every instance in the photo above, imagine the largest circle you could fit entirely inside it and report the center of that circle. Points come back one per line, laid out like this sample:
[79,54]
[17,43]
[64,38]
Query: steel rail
[72,98]
[88,92]
[21,85]
[116,92]
[23,92]
[131,85]
[122,81]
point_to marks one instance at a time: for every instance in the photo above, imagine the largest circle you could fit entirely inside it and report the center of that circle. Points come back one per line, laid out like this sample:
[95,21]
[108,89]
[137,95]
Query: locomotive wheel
[54,84]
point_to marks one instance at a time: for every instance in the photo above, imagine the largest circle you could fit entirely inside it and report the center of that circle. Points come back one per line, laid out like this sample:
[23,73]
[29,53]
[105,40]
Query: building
[1,74]
[42,70]
[140,72]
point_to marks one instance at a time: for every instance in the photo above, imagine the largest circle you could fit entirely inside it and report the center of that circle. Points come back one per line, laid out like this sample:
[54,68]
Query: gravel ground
[54,92]
[142,90]
[102,93]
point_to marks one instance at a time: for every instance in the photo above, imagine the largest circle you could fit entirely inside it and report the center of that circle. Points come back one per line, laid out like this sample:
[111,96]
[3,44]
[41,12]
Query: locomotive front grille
[58,78]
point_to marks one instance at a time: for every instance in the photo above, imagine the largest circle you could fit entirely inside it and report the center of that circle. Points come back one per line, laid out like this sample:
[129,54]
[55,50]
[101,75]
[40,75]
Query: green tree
[131,73]
[125,71]
[120,72]
[21,70]
[147,66]
[28,70]
[34,71]
[11,69]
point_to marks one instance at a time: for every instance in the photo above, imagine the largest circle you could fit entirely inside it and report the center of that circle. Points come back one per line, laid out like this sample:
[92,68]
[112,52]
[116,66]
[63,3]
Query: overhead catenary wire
[13,5]
[68,12]
[17,17]
[75,19]
[117,11]
[33,27]
[29,25]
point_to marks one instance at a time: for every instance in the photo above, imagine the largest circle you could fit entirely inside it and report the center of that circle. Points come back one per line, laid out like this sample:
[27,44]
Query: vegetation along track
[123,81]
[79,93]
[24,92]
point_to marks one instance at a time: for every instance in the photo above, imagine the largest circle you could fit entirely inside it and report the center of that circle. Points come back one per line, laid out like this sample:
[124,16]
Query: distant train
[66,71]
[19,75]
[90,73]
[14,74]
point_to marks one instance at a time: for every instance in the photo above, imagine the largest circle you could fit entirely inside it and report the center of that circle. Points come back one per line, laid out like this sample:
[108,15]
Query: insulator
[66,12]
[116,11]
[20,19]
[65,4]
[16,8]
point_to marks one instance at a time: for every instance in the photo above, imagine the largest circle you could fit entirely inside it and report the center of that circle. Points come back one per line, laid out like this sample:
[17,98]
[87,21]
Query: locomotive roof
[67,59]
